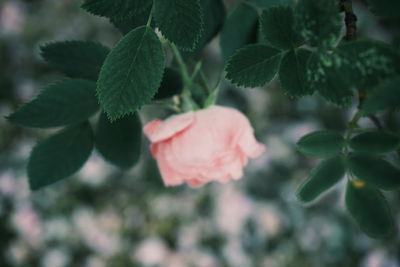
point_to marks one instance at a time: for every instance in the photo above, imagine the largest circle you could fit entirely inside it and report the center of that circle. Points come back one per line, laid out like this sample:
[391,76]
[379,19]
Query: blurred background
[104,217]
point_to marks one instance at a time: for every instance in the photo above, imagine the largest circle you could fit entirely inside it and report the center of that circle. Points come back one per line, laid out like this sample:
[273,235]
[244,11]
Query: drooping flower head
[198,147]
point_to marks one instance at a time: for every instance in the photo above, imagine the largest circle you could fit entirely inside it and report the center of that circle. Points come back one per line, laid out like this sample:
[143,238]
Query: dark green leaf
[370,210]
[293,73]
[119,142]
[60,155]
[324,176]
[366,63]
[319,22]
[385,8]
[277,25]
[375,142]
[214,19]
[325,75]
[115,8]
[269,3]
[374,171]
[260,37]
[180,21]
[128,23]
[321,143]
[384,96]
[253,65]
[132,73]
[396,43]
[77,59]
[239,30]
[171,84]
[63,103]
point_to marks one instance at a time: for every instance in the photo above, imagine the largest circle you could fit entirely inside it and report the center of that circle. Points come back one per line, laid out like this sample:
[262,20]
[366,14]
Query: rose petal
[169,175]
[212,144]
[249,145]
[195,183]
[158,130]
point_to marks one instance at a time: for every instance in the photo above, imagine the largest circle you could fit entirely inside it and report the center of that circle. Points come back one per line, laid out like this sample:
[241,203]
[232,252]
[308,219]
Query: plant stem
[352,125]
[346,6]
[196,70]
[188,103]
[204,82]
[148,24]
[182,66]
[350,19]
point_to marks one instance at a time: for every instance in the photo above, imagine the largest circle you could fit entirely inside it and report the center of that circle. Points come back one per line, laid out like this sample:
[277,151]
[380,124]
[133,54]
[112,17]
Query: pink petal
[195,183]
[249,145]
[158,130]
[168,174]
[154,150]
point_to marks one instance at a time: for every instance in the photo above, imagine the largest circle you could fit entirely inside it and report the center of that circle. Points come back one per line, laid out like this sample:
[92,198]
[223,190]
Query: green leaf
[116,8]
[124,14]
[384,96]
[119,142]
[269,3]
[385,8]
[293,73]
[366,63]
[63,103]
[128,23]
[375,142]
[214,19]
[132,73]
[322,143]
[318,22]
[277,26]
[172,84]
[253,65]
[370,210]
[323,177]
[60,155]
[396,43]
[323,72]
[240,29]
[180,21]
[77,59]
[374,171]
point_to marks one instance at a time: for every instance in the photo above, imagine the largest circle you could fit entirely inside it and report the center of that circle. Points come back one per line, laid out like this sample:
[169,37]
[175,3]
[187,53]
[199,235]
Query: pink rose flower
[211,144]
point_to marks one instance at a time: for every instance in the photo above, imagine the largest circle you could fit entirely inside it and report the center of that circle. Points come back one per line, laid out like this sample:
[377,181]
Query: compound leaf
[180,21]
[60,155]
[172,84]
[293,73]
[277,26]
[386,95]
[254,65]
[374,171]
[323,177]
[375,142]
[239,30]
[370,210]
[321,143]
[119,142]
[63,103]
[76,59]
[132,73]
[318,22]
